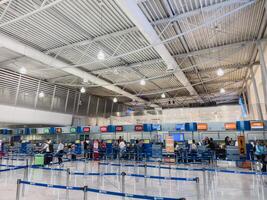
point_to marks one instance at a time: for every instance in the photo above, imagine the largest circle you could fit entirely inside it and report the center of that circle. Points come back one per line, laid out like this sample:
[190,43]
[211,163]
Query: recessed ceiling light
[220,72]
[142,82]
[23,70]
[163,95]
[41,94]
[222,90]
[115,100]
[85,80]
[101,55]
[82,90]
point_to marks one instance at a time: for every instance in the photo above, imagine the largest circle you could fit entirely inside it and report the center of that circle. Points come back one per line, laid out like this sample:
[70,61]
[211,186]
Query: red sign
[119,128]
[138,128]
[58,130]
[103,129]
[86,129]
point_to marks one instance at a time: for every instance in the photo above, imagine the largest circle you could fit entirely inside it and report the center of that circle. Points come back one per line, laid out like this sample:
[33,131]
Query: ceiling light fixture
[220,72]
[163,95]
[82,90]
[41,94]
[222,90]
[85,80]
[23,70]
[115,100]
[142,82]
[101,55]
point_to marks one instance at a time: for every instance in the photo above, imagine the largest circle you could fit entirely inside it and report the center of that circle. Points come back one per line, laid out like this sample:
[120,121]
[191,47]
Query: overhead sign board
[86,129]
[257,125]
[103,129]
[138,127]
[202,126]
[119,128]
[230,126]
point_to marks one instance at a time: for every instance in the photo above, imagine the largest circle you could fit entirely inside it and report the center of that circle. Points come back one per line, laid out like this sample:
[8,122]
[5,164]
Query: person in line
[227,141]
[139,149]
[48,152]
[86,149]
[193,150]
[60,153]
[261,153]
[122,147]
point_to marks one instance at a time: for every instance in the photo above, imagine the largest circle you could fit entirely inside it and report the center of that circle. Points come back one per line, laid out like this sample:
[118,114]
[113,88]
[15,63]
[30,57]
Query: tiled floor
[215,186]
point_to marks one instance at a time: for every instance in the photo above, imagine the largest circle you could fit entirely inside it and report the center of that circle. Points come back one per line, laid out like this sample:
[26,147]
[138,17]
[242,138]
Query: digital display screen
[103,129]
[256,125]
[156,127]
[33,130]
[58,130]
[119,128]
[230,126]
[138,127]
[73,130]
[46,130]
[202,126]
[178,137]
[86,129]
[180,127]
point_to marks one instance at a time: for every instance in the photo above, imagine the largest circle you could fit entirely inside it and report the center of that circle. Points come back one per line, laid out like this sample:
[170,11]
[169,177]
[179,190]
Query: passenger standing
[60,152]
[122,147]
[261,153]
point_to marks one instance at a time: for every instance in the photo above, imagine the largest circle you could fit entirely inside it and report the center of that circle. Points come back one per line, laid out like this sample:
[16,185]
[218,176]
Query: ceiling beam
[154,23]
[136,15]
[32,53]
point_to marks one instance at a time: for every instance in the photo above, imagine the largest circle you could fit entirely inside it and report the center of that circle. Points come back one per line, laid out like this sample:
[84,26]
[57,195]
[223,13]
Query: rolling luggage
[39,159]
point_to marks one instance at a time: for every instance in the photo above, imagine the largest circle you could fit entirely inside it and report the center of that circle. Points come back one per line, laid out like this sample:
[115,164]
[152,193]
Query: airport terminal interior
[133,99]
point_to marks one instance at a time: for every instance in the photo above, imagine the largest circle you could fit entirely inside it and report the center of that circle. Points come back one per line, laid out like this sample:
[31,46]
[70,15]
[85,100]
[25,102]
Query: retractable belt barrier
[196,179]
[189,169]
[105,192]
[13,168]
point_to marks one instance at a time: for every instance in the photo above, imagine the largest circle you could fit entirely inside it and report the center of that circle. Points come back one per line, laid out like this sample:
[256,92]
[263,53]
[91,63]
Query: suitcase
[39,159]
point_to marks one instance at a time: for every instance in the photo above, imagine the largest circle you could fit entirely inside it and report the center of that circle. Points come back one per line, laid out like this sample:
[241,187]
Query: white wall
[17,115]
[227,113]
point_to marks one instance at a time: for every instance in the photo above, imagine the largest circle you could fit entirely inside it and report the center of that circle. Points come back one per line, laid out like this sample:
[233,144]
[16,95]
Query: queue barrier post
[123,174]
[145,166]
[160,167]
[85,192]
[67,183]
[26,174]
[18,189]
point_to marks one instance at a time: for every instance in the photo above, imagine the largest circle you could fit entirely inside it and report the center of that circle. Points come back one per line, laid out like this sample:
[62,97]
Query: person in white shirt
[60,152]
[122,147]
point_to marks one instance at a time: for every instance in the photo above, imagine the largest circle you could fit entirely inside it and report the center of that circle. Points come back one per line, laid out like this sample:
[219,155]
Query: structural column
[258,106]
[263,73]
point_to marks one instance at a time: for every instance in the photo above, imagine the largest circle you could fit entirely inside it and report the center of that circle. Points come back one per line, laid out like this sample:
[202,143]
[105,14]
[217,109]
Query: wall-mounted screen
[58,130]
[156,127]
[178,137]
[73,130]
[202,126]
[119,128]
[103,129]
[180,127]
[138,127]
[86,129]
[230,126]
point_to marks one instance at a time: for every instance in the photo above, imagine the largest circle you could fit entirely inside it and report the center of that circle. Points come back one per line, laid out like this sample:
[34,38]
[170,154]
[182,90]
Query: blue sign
[180,127]
[156,127]
[147,127]
[178,137]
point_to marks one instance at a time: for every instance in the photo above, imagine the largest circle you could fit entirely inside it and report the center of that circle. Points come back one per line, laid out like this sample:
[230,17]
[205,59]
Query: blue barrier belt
[13,168]
[191,169]
[137,196]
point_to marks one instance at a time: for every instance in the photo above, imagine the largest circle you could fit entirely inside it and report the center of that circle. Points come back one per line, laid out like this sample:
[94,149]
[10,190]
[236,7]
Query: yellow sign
[146,141]
[169,144]
[241,144]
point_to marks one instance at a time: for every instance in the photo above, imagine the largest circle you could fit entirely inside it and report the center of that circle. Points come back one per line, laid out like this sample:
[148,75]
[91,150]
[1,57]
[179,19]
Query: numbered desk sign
[241,144]
[169,144]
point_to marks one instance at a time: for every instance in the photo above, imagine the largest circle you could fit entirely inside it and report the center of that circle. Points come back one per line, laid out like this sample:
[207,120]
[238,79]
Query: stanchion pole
[67,183]
[85,192]
[159,167]
[145,166]
[204,181]
[198,188]
[123,174]
[18,189]
[26,172]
